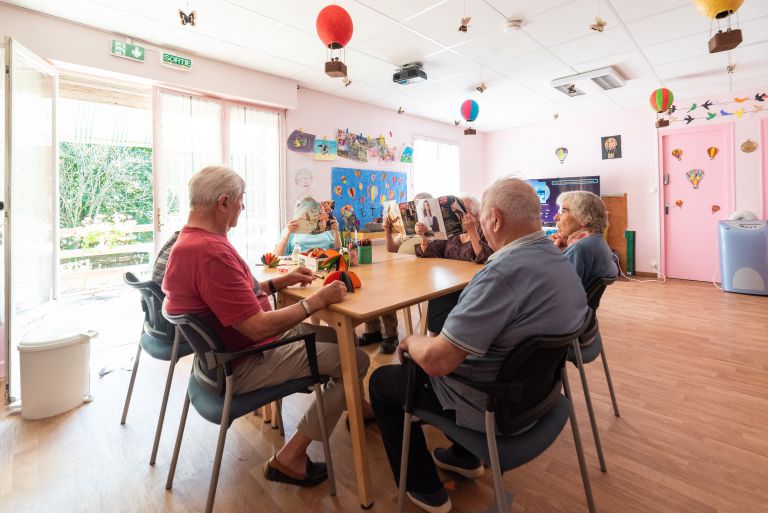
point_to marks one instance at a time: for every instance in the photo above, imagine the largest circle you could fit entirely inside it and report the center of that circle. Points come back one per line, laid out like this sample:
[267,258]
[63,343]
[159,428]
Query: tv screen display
[549,189]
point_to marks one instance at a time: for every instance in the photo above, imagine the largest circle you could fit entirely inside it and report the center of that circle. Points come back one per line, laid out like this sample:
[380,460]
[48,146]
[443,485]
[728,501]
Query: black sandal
[276,471]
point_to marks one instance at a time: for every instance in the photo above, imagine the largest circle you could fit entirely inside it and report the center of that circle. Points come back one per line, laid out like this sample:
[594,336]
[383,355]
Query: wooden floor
[690,366]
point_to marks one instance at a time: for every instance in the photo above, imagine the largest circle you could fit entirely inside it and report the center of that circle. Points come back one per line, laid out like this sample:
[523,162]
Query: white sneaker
[437,502]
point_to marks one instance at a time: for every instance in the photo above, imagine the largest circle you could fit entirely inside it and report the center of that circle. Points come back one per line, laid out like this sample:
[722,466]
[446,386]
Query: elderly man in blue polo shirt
[527,288]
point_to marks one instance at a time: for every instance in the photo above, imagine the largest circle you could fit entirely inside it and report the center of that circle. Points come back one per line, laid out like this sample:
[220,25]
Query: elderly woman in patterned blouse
[470,246]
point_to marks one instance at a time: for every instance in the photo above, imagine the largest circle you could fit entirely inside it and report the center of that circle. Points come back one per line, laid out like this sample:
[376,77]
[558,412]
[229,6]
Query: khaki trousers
[288,362]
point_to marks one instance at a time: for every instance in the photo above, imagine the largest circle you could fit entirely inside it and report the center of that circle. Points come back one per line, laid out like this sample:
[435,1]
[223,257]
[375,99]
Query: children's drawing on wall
[325,149]
[351,146]
[301,142]
[364,192]
[303,180]
[407,155]
[611,147]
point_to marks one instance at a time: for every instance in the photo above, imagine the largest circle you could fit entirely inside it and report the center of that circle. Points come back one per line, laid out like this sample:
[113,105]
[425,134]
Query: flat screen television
[549,189]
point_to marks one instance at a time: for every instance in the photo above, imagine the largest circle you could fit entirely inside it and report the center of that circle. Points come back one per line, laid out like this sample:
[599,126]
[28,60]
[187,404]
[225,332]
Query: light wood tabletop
[392,282]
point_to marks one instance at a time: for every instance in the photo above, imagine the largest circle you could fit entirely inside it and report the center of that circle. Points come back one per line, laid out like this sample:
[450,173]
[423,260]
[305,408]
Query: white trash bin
[54,367]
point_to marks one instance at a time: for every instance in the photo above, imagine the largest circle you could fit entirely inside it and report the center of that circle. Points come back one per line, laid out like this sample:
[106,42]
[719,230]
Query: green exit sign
[128,51]
[174,61]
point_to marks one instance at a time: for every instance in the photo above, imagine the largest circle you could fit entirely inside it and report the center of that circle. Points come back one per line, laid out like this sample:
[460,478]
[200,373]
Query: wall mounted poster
[360,194]
[301,142]
[611,147]
[325,149]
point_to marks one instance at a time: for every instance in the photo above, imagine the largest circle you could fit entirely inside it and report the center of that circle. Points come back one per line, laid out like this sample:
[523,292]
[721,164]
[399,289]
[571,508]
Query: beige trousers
[288,362]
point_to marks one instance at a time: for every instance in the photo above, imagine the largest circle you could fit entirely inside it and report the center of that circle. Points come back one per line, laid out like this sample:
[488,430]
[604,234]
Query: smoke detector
[604,78]
[513,25]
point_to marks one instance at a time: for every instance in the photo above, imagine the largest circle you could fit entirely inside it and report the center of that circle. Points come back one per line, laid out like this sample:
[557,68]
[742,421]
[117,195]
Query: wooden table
[392,282]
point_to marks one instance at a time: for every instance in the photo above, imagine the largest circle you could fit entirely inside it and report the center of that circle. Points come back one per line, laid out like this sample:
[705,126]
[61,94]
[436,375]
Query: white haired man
[527,288]
[206,276]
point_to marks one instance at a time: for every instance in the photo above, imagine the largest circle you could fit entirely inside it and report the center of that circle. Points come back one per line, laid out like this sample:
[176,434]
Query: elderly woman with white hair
[581,221]
[470,246]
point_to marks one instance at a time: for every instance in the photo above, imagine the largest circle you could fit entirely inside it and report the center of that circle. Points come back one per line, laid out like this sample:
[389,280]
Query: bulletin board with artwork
[361,193]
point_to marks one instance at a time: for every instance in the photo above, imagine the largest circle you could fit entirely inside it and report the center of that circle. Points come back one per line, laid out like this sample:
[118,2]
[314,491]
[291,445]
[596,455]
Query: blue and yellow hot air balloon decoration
[561,153]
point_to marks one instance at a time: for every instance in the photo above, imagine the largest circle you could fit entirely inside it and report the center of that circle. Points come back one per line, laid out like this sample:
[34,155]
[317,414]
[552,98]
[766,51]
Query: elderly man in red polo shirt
[207,277]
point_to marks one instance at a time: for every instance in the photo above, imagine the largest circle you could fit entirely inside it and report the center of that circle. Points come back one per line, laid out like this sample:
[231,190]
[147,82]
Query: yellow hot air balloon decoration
[712,152]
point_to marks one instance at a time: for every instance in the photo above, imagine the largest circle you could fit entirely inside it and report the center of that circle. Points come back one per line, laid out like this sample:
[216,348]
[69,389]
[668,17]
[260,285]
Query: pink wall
[321,114]
[529,152]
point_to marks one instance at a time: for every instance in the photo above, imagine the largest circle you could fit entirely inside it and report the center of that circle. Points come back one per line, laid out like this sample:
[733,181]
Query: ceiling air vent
[604,78]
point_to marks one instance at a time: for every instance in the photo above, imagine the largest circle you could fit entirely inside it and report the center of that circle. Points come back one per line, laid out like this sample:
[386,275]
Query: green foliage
[101,233]
[104,180]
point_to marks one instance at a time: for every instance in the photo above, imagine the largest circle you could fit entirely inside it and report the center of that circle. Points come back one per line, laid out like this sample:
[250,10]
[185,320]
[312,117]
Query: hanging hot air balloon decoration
[334,26]
[678,154]
[695,176]
[469,111]
[717,10]
[712,152]
[561,153]
[661,100]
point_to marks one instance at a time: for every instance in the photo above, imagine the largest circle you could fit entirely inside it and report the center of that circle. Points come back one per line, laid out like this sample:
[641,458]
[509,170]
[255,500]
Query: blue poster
[361,193]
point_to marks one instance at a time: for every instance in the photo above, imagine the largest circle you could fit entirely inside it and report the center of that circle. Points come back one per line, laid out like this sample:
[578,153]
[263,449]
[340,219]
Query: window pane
[255,154]
[435,167]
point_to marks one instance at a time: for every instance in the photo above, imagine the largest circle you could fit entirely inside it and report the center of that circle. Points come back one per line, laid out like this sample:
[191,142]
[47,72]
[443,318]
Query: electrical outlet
[655,265]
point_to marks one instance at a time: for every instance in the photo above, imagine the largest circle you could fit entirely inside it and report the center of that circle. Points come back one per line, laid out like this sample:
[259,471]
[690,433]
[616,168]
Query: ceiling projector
[409,74]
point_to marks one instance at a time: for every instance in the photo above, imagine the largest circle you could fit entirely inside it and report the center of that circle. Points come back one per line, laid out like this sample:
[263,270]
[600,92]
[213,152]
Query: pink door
[697,192]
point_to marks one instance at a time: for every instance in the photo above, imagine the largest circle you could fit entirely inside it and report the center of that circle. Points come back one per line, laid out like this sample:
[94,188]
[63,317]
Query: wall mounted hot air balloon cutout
[695,176]
[715,208]
[678,154]
[561,153]
[334,26]
[661,100]
[748,146]
[679,203]
[469,111]
[712,152]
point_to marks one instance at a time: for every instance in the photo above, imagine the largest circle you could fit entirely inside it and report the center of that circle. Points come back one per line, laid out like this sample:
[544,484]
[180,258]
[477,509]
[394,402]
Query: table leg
[348,357]
[423,319]
[408,320]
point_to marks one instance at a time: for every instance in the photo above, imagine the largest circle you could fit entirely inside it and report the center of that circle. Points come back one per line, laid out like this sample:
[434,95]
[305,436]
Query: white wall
[530,151]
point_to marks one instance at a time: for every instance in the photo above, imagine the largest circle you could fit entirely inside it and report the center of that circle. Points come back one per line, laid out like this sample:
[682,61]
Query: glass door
[31,194]
[187,138]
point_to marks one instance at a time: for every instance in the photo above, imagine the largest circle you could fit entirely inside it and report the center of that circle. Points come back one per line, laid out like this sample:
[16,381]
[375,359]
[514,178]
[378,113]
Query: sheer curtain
[190,138]
[254,152]
[435,167]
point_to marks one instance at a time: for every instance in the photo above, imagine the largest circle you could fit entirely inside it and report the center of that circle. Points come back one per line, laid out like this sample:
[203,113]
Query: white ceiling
[651,42]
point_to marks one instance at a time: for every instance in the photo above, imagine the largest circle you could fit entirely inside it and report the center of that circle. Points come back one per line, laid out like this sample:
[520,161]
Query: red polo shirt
[208,278]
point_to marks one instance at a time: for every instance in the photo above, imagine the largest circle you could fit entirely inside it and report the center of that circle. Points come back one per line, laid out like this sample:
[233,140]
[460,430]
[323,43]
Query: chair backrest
[204,342]
[536,366]
[595,291]
[152,303]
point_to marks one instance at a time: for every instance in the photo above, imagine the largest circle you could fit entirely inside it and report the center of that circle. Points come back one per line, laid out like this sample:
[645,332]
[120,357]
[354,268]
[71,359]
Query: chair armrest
[214,359]
[410,385]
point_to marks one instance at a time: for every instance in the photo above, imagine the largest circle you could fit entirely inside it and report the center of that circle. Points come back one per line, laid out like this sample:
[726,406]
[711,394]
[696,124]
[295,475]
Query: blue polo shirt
[527,288]
[592,259]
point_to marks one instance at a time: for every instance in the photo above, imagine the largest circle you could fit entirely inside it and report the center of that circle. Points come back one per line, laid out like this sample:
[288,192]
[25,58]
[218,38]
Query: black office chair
[158,338]
[589,348]
[525,393]
[211,390]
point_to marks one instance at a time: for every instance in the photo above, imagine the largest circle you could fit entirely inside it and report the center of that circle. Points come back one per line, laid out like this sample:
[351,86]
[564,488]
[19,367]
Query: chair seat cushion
[162,350]
[210,405]
[588,353]
[514,450]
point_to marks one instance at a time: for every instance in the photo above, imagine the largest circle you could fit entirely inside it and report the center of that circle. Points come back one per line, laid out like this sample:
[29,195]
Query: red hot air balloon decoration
[469,111]
[334,26]
[661,100]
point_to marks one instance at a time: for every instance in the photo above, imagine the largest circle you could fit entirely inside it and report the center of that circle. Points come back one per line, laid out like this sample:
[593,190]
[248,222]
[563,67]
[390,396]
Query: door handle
[158,219]
[666,209]
[666,179]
